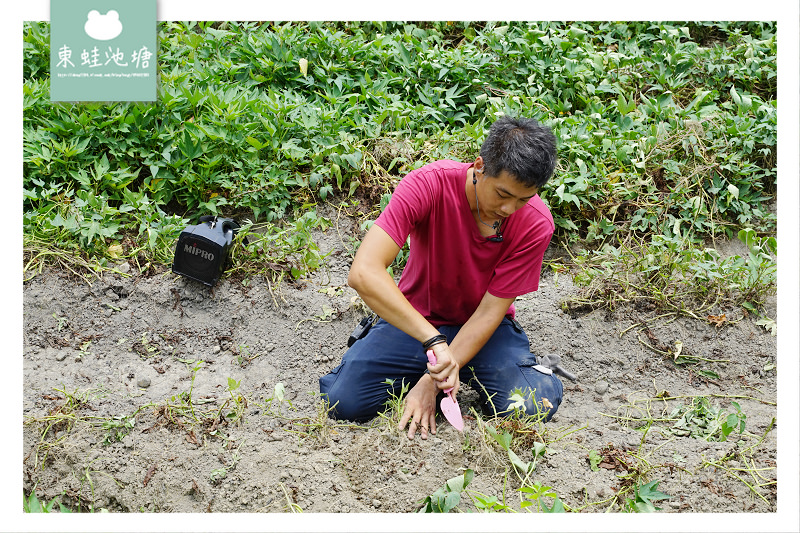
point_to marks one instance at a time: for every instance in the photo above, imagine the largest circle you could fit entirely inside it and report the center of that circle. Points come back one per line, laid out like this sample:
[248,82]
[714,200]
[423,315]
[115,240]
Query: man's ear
[478,164]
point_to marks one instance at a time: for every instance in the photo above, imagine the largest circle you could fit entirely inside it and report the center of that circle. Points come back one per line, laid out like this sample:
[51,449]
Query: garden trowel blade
[451,410]
[449,405]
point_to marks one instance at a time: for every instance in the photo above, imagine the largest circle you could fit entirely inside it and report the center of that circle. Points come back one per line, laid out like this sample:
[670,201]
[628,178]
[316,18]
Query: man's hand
[420,408]
[445,371]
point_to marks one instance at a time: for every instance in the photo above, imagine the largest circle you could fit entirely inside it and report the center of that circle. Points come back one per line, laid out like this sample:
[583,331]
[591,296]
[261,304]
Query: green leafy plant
[523,468]
[237,402]
[117,428]
[32,504]
[394,405]
[672,276]
[218,474]
[660,133]
[516,432]
[701,420]
[277,251]
[317,429]
[447,498]
[535,494]
[641,501]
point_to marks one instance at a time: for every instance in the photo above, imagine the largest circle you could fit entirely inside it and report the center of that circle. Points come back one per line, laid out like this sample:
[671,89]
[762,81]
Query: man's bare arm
[368,276]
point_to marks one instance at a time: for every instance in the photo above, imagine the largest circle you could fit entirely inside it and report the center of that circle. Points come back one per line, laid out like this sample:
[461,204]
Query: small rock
[143,383]
[60,356]
[270,347]
[376,504]
[216,349]
[124,267]
[601,387]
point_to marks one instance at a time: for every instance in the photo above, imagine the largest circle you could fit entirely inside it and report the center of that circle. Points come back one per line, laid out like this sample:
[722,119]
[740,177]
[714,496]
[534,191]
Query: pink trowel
[450,408]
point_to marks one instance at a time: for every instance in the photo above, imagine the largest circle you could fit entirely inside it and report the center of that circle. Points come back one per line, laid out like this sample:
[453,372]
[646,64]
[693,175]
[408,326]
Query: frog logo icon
[103,27]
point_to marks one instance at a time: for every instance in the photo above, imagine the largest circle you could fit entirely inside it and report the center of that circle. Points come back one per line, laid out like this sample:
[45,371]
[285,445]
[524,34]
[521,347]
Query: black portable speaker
[202,250]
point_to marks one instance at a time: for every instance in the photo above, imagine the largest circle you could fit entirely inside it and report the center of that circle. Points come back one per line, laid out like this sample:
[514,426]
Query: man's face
[501,195]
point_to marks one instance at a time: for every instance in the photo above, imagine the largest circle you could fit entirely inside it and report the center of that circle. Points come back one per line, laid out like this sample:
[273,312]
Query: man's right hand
[445,372]
[420,408]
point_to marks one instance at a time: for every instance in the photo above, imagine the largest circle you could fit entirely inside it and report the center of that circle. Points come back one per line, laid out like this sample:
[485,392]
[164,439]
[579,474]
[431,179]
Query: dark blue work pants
[358,390]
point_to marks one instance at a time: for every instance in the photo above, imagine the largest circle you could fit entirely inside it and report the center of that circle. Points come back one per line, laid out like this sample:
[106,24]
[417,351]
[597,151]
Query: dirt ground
[108,369]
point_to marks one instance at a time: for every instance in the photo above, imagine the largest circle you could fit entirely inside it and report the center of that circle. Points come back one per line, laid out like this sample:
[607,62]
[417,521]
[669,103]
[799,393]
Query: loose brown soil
[135,349]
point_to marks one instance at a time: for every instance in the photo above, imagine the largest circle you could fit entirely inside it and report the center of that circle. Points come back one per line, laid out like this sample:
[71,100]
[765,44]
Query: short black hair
[523,148]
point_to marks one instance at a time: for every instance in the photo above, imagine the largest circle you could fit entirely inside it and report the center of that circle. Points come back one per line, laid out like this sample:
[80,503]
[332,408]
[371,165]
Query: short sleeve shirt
[451,265]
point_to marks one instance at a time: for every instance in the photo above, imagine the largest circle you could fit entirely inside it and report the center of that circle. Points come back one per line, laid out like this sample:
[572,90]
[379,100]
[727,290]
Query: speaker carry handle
[230,225]
[227,224]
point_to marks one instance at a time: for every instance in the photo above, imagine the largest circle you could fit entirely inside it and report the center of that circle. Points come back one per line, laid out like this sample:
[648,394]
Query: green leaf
[518,463]
[708,374]
[405,56]
[517,401]
[701,96]
[648,493]
[539,448]
[279,392]
[768,324]
[577,33]
[32,505]
[451,500]
[558,507]
[748,237]
[189,148]
[255,143]
[625,106]
[459,483]
[81,177]
[503,439]
[594,460]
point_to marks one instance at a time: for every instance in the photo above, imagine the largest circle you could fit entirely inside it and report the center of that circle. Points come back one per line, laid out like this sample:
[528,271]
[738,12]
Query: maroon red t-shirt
[451,265]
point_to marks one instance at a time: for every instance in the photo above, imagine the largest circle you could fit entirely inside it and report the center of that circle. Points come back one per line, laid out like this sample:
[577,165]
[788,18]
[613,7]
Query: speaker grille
[198,258]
